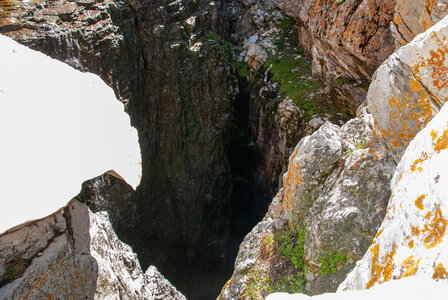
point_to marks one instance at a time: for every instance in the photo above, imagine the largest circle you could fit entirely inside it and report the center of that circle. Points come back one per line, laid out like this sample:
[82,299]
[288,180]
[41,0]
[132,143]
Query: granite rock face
[410,88]
[74,253]
[335,190]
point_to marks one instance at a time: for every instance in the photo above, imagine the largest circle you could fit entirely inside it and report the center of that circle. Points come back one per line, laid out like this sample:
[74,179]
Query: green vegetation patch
[226,52]
[292,70]
[331,262]
[291,249]
[256,283]
[13,270]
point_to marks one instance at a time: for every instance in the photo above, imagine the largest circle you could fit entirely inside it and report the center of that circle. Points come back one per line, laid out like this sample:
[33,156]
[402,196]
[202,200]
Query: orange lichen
[440,272]
[434,134]
[409,266]
[435,228]
[292,182]
[388,266]
[376,268]
[384,269]
[442,142]
[436,66]
[415,230]
[419,202]
[379,233]
[415,166]
[411,244]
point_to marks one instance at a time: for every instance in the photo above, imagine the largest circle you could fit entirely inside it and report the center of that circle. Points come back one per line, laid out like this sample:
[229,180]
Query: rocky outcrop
[411,241]
[110,193]
[345,38]
[332,201]
[162,60]
[409,89]
[74,253]
[412,238]
[413,18]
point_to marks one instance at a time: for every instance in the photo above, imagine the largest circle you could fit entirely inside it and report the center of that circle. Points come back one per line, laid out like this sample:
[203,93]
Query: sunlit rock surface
[59,127]
[336,189]
[409,88]
[414,288]
[412,239]
[414,17]
[75,254]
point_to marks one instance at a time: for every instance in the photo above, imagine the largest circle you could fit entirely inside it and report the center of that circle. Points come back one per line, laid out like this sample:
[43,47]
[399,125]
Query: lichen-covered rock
[414,17]
[350,38]
[409,88]
[335,190]
[87,35]
[416,287]
[412,239]
[74,253]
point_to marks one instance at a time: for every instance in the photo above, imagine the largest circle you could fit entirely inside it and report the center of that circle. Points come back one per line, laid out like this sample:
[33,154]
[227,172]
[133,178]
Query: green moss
[331,262]
[293,72]
[226,52]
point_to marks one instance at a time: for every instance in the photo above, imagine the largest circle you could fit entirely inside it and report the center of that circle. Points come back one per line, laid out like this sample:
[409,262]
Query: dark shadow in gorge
[247,200]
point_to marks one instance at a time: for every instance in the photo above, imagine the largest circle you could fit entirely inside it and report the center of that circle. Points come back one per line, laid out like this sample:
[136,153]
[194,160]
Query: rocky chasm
[234,102]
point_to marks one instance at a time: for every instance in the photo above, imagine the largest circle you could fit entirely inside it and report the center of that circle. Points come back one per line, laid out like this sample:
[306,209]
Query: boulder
[412,239]
[415,17]
[74,253]
[335,194]
[409,89]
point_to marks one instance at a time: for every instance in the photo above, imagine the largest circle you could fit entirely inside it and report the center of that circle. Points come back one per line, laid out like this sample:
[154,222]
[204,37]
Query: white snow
[409,288]
[58,128]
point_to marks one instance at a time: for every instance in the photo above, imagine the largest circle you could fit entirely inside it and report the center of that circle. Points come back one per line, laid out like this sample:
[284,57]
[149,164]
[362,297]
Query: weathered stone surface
[409,88]
[412,239]
[350,38]
[87,35]
[119,273]
[109,192]
[252,264]
[416,287]
[179,99]
[336,187]
[415,17]
[83,259]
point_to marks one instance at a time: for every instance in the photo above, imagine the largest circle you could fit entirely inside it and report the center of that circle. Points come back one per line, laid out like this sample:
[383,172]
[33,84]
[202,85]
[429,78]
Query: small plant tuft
[331,262]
